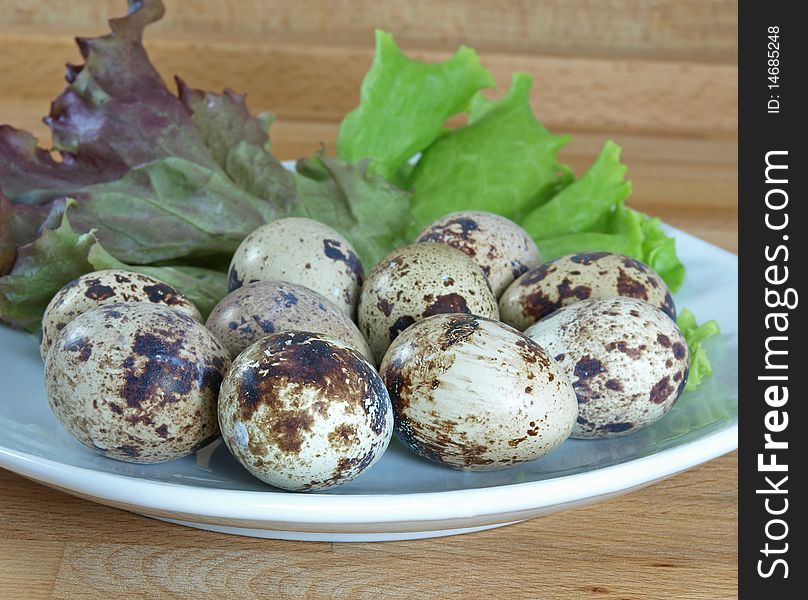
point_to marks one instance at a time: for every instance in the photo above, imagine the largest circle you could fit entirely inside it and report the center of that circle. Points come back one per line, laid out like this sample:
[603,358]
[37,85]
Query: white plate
[402,497]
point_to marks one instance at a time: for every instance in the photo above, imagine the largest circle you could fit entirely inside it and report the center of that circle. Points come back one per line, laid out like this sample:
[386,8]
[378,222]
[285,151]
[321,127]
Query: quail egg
[304,411]
[627,360]
[136,381]
[473,393]
[576,277]
[301,251]
[258,309]
[502,249]
[415,282]
[105,287]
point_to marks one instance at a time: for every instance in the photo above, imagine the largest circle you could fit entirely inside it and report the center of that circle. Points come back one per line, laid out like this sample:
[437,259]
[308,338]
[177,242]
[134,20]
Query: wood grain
[28,568]
[700,30]
[321,82]
[676,539]
[659,77]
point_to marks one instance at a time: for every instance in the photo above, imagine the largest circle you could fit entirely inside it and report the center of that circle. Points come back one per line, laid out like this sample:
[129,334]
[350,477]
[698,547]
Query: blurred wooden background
[658,76]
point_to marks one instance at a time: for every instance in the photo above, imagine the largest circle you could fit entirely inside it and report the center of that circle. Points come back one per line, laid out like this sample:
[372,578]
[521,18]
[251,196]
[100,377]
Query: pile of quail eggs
[468,347]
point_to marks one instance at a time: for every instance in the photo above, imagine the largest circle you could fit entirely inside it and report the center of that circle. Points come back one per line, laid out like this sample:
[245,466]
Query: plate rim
[318,508]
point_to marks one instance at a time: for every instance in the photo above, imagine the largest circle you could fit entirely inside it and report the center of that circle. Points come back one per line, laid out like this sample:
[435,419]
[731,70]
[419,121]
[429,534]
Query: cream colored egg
[473,393]
[503,250]
[105,287]
[627,360]
[304,252]
[136,381]
[303,411]
[415,282]
[576,277]
[259,309]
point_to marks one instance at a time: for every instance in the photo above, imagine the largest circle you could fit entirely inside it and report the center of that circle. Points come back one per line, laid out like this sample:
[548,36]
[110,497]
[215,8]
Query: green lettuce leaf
[628,232]
[695,334]
[203,287]
[651,245]
[589,215]
[41,267]
[60,254]
[503,161]
[170,209]
[239,143]
[404,104]
[587,242]
[584,204]
[659,253]
[370,212]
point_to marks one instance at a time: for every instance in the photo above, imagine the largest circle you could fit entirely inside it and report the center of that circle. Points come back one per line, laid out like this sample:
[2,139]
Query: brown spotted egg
[303,411]
[503,250]
[576,277]
[627,360]
[258,309]
[301,251]
[136,381]
[105,287]
[473,393]
[415,282]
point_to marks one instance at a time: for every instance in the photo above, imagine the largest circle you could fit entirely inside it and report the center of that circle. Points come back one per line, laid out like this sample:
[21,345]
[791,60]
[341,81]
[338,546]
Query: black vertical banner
[773,138]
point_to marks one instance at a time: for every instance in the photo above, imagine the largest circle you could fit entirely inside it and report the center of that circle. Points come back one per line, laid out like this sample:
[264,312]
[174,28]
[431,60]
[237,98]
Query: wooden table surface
[658,77]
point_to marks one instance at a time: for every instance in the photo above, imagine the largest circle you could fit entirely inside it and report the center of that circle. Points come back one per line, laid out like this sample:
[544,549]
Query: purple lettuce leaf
[154,176]
[239,142]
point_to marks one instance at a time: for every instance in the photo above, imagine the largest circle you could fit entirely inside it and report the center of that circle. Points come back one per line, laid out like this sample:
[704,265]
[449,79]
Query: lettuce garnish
[41,266]
[695,334]
[584,205]
[372,213]
[404,104]
[504,161]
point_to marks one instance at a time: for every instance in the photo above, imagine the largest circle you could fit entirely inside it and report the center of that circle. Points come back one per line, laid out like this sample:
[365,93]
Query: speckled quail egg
[105,287]
[136,381]
[627,360]
[502,249]
[417,281]
[301,251]
[576,277]
[258,309]
[304,411]
[473,393]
